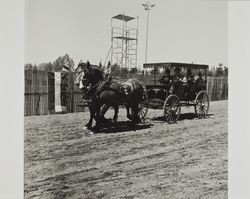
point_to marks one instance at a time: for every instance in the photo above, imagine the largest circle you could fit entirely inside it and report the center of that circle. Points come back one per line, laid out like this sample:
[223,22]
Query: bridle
[87,86]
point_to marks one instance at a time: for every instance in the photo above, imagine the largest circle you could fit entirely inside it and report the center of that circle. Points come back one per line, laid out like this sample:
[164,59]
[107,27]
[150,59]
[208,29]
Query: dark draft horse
[112,93]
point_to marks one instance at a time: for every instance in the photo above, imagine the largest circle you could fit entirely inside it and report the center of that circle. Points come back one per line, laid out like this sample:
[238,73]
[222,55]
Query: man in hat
[191,85]
[177,81]
[166,79]
[200,83]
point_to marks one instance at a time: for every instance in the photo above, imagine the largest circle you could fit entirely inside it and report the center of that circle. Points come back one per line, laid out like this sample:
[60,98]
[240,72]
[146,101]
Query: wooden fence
[36,92]
[217,88]
[40,94]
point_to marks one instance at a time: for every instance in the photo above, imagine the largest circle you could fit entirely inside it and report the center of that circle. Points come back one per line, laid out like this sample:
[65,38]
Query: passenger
[189,74]
[183,79]
[166,79]
[177,75]
[177,81]
[191,87]
[200,83]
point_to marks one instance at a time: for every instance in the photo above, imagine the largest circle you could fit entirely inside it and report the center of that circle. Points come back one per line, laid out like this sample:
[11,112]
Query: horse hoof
[89,133]
[85,128]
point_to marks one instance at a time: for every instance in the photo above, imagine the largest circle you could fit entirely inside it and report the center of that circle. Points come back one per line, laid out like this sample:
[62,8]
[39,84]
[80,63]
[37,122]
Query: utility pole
[147,6]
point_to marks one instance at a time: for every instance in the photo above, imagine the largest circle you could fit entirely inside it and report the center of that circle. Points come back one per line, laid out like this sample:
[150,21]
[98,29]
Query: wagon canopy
[175,64]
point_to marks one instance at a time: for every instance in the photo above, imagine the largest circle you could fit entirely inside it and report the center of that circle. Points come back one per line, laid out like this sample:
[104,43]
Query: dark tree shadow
[183,116]
[118,127]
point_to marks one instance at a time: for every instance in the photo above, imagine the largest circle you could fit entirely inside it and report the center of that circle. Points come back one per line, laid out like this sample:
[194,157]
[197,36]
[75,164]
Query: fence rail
[40,91]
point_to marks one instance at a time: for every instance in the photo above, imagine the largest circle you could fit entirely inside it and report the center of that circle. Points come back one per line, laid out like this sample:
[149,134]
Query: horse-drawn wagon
[182,85]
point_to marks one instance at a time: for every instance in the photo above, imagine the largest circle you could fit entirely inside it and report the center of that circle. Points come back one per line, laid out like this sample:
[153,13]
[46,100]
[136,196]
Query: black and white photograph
[126,99]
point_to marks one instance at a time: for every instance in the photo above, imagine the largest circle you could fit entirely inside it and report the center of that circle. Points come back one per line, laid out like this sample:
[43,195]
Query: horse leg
[135,110]
[129,116]
[104,109]
[92,114]
[94,111]
[116,109]
[97,116]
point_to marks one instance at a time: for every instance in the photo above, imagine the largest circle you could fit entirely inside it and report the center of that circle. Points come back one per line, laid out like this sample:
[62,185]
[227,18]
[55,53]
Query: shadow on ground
[183,116]
[121,126]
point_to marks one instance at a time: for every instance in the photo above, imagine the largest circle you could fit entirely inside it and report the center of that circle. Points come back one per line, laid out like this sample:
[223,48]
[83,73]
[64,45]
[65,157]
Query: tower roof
[123,17]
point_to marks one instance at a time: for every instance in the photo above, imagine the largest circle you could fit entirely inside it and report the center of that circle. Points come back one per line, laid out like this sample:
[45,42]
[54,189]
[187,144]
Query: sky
[179,30]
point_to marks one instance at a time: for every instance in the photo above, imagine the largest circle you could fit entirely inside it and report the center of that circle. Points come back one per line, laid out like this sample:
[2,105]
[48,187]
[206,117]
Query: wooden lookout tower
[124,41]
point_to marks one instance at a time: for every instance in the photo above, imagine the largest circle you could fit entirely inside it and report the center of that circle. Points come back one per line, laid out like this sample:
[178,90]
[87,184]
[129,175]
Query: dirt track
[157,160]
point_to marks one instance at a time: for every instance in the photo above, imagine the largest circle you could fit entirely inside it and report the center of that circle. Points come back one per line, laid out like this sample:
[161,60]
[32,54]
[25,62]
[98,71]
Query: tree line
[61,62]
[67,63]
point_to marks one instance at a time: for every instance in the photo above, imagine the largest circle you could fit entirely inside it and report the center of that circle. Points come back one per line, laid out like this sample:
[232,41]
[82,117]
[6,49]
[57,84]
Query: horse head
[88,75]
[82,75]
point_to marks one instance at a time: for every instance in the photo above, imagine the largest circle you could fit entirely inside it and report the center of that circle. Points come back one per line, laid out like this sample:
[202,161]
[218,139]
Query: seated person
[190,77]
[189,74]
[177,82]
[200,83]
[183,79]
[191,87]
[166,79]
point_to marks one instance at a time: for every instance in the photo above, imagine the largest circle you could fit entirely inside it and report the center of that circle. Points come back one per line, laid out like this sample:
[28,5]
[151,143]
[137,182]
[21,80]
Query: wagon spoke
[171,118]
[198,108]
[142,111]
[205,108]
[167,109]
[203,112]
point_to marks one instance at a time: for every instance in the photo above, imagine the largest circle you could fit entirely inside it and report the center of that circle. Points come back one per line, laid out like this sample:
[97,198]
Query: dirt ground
[152,160]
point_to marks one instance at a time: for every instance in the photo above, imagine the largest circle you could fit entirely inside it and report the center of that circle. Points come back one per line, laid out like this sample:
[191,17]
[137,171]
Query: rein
[97,84]
[92,88]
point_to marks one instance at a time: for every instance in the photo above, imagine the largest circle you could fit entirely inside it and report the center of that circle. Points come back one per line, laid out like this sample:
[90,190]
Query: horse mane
[97,72]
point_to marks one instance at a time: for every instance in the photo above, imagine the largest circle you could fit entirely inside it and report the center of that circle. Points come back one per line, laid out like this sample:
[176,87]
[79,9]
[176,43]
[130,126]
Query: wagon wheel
[143,106]
[172,109]
[201,104]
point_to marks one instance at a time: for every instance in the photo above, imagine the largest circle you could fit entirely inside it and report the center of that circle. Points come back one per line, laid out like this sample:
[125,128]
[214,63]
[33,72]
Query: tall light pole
[147,6]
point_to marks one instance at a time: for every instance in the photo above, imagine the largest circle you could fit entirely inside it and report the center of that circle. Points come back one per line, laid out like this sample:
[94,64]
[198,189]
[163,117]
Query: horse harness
[95,90]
